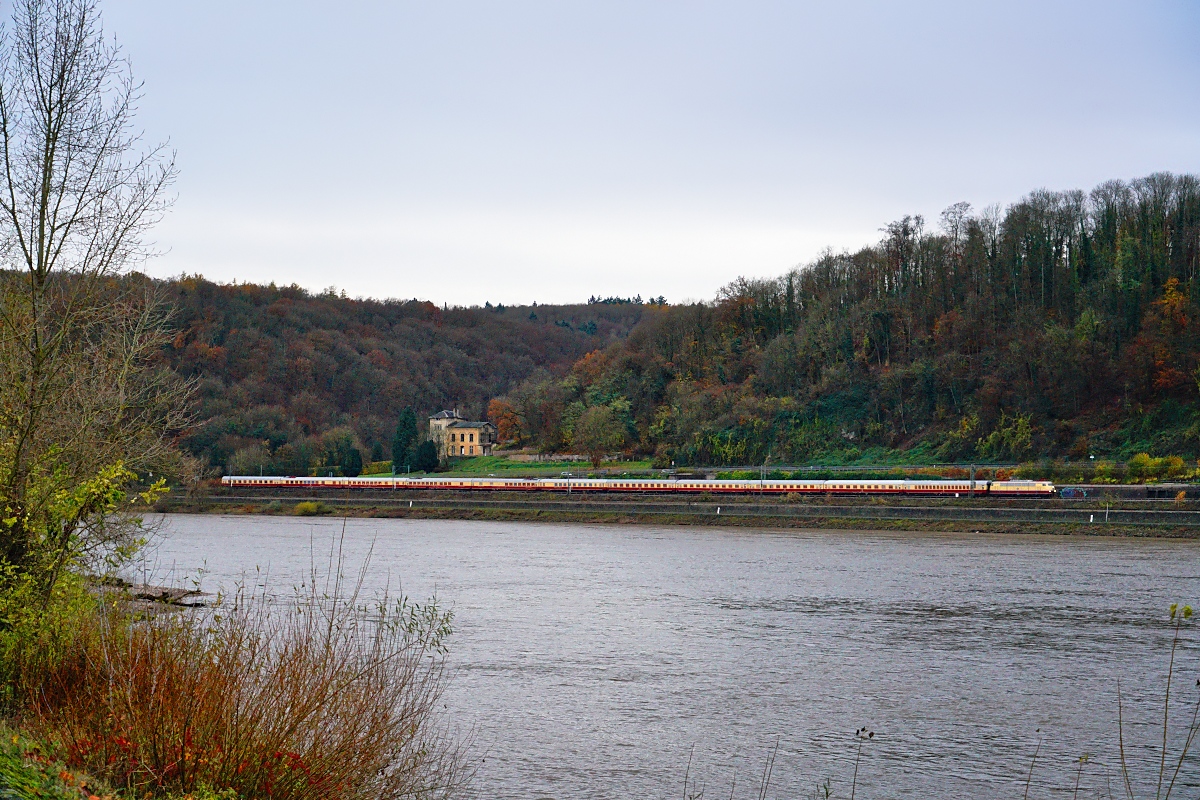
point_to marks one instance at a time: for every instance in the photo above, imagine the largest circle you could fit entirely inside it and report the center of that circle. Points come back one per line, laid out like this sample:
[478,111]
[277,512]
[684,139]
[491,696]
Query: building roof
[446,415]
[467,424]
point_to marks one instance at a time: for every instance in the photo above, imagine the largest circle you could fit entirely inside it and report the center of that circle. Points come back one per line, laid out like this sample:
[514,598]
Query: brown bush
[320,698]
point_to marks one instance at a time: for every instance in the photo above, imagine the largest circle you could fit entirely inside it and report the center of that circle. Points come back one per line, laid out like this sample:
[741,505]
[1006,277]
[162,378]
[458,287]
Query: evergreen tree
[404,442]
[425,457]
[352,463]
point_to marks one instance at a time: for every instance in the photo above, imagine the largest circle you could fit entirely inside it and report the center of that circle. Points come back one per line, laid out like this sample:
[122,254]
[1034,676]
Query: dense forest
[287,380]
[1066,325]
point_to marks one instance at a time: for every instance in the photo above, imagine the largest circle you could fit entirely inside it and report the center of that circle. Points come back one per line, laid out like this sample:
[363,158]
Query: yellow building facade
[456,437]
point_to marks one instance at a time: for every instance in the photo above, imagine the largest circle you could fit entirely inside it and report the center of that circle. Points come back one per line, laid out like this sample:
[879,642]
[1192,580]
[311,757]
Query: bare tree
[954,225]
[85,403]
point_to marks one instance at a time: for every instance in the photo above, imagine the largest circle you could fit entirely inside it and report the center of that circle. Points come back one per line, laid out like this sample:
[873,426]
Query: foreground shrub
[36,632]
[322,698]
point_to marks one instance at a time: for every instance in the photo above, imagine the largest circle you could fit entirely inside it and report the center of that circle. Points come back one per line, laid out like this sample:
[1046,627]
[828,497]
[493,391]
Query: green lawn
[499,465]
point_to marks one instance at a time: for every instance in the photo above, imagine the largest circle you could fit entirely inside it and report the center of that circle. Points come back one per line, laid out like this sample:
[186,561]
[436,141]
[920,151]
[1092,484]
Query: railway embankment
[1107,515]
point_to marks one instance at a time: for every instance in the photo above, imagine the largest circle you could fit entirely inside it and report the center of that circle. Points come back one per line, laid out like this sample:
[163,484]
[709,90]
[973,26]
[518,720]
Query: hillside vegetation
[1064,326]
[287,379]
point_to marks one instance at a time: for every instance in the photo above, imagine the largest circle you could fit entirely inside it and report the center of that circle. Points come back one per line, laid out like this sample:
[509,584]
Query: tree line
[291,382]
[1065,325]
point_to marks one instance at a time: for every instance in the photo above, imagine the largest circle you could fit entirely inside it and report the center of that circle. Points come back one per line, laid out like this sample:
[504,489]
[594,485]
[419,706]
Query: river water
[594,661]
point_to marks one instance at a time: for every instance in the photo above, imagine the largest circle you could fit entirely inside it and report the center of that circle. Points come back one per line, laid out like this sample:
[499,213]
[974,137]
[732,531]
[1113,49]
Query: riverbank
[1075,517]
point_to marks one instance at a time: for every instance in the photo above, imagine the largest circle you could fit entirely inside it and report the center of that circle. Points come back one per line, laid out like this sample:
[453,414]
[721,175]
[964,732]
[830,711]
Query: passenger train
[909,486]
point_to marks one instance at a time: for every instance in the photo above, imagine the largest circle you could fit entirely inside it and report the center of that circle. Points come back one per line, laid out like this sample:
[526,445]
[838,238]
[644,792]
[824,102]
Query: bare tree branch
[82,384]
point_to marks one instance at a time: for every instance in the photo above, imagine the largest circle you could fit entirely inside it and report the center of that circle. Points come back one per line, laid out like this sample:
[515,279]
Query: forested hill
[1066,325]
[285,375]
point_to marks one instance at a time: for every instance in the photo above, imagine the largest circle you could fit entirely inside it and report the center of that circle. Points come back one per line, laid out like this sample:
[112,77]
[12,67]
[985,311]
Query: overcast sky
[521,151]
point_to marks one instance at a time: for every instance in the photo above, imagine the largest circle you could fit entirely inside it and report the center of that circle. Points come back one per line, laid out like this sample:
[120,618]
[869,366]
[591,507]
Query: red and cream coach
[908,486]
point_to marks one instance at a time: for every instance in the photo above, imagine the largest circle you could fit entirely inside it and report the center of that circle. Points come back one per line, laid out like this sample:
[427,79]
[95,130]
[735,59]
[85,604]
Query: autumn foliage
[324,700]
[285,376]
[1064,326]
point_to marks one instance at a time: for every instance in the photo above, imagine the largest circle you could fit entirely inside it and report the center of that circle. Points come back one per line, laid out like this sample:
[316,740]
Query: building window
[462,451]
[472,449]
[472,439]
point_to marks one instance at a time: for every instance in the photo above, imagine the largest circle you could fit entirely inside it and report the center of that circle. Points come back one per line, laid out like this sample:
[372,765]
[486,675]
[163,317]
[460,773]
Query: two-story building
[456,437]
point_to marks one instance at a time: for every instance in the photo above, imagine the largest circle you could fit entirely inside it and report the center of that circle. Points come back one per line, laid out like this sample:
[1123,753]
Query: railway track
[741,507]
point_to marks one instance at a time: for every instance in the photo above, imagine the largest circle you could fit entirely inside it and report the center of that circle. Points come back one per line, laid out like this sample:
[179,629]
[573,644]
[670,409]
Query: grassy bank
[29,770]
[26,771]
[508,467]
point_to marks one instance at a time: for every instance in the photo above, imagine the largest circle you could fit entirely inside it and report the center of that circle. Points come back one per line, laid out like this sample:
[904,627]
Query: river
[596,661]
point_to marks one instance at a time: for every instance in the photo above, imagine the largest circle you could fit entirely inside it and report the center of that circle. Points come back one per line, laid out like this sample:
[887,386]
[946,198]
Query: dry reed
[322,697]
